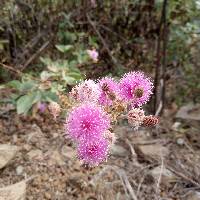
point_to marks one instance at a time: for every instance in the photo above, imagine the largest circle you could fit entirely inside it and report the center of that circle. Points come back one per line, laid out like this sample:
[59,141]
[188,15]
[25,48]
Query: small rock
[180,141]
[157,150]
[194,196]
[7,152]
[15,138]
[27,147]
[47,195]
[119,151]
[19,170]
[36,136]
[56,158]
[35,154]
[176,126]
[189,112]
[167,175]
[68,152]
[16,191]
[55,135]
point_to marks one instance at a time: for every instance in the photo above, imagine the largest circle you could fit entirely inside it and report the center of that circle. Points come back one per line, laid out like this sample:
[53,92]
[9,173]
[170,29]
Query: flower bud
[135,117]
[150,120]
[54,109]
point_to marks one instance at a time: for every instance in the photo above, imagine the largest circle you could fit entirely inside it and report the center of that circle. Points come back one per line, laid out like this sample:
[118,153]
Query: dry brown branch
[115,62]
[186,178]
[160,175]
[34,56]
[30,45]
[123,177]
[12,69]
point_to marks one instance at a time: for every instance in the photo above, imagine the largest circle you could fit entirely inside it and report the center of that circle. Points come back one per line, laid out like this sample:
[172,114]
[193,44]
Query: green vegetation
[44,43]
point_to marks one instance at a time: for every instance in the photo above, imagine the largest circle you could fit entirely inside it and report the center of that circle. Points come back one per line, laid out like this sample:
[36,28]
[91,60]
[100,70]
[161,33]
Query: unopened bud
[55,109]
[135,117]
[150,120]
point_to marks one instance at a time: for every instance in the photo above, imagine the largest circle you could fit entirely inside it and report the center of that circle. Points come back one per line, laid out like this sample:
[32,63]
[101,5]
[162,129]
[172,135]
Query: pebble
[19,170]
[47,195]
[180,141]
[68,152]
[119,151]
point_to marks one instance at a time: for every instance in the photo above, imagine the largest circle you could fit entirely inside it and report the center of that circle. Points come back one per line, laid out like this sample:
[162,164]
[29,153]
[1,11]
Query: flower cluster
[86,125]
[98,104]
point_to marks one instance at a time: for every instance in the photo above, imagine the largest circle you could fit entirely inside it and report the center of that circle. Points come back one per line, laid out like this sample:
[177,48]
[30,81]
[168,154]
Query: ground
[162,162]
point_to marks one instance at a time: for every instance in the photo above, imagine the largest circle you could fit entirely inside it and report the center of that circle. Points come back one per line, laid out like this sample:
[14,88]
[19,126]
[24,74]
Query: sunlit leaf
[64,48]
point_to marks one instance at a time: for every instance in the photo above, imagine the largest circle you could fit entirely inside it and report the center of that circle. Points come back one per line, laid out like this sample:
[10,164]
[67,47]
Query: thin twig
[34,56]
[12,69]
[123,177]
[103,41]
[30,45]
[183,176]
[160,175]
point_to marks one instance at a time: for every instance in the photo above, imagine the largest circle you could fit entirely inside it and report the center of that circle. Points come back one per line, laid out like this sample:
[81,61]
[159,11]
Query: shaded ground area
[158,163]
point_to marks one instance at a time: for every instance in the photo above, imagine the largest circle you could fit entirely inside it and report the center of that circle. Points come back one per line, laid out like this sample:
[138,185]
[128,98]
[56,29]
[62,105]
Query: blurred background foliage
[43,44]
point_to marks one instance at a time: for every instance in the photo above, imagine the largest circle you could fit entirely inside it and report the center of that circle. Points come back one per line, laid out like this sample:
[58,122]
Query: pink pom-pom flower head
[93,54]
[109,91]
[86,91]
[87,122]
[136,88]
[93,152]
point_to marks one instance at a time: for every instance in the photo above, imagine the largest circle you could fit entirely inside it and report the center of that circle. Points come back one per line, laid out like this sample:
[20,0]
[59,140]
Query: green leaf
[49,96]
[46,61]
[69,80]
[75,75]
[27,85]
[45,75]
[2,87]
[64,48]
[70,37]
[14,84]
[93,42]
[25,102]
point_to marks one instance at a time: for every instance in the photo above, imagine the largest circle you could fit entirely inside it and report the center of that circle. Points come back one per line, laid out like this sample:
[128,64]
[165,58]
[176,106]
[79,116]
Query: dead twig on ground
[123,177]
[160,175]
[186,178]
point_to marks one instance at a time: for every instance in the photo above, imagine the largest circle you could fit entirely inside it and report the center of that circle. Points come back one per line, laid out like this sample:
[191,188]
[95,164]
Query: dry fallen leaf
[7,152]
[16,191]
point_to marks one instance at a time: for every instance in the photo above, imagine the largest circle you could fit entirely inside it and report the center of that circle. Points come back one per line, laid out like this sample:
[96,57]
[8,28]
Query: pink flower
[54,109]
[136,88]
[86,91]
[42,107]
[93,54]
[93,152]
[93,3]
[87,122]
[135,117]
[109,91]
